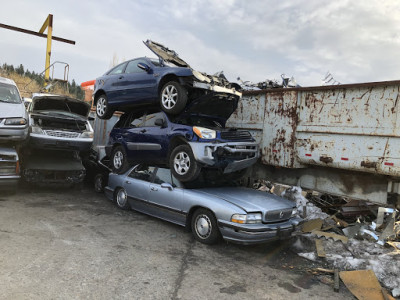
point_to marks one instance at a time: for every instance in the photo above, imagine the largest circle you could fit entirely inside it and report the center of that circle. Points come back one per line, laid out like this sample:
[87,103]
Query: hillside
[31,82]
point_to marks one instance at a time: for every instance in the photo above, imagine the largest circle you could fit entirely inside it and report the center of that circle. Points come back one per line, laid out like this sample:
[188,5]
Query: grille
[7,168]
[62,134]
[236,135]
[7,157]
[275,215]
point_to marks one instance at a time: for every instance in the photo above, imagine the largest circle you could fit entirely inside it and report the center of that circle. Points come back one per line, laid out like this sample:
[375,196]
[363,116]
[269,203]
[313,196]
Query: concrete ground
[58,243]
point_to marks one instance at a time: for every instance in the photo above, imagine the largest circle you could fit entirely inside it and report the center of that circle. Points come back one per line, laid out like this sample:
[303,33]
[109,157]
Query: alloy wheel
[181,163]
[169,96]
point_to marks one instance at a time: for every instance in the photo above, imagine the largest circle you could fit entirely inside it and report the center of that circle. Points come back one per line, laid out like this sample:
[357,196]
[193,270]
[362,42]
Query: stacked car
[13,132]
[174,116]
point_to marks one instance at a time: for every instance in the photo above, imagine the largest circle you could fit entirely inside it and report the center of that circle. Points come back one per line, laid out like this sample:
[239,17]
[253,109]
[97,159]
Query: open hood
[166,54]
[60,103]
[216,105]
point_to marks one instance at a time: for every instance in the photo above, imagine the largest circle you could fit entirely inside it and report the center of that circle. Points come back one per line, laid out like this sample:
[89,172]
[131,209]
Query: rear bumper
[48,142]
[233,156]
[256,234]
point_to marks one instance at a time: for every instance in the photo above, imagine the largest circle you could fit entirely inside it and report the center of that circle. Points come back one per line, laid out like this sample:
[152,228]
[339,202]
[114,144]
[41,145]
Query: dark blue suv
[186,143]
[168,83]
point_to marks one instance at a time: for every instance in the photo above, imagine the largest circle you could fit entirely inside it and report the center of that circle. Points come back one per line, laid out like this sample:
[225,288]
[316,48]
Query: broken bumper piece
[230,157]
[260,233]
[216,88]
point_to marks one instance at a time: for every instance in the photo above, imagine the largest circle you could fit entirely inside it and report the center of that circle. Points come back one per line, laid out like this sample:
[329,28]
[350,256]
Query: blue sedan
[211,207]
[167,81]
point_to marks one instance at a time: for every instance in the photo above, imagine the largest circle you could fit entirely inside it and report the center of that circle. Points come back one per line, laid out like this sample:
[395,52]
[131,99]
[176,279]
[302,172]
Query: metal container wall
[353,127]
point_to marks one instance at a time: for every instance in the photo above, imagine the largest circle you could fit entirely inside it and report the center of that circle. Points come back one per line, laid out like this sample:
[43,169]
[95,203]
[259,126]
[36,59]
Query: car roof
[7,81]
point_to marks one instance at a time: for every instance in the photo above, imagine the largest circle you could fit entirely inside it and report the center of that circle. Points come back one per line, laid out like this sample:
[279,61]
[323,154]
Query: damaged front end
[201,81]
[59,122]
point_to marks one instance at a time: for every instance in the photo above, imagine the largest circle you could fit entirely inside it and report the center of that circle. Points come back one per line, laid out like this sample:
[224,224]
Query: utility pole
[48,24]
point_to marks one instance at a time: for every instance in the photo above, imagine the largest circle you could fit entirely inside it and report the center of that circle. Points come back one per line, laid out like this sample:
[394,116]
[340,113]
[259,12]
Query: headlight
[87,134]
[37,130]
[294,212]
[15,121]
[205,133]
[247,219]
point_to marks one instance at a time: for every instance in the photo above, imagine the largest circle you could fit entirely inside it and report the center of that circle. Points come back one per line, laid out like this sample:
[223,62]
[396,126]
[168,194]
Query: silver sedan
[211,208]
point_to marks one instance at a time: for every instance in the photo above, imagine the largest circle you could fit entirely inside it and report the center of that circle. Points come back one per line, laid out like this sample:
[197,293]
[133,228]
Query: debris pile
[363,245]
[269,84]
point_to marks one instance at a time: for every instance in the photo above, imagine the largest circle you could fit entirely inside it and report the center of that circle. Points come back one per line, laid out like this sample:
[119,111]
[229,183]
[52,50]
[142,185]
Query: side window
[138,122]
[176,183]
[133,66]
[163,176]
[142,173]
[151,119]
[118,69]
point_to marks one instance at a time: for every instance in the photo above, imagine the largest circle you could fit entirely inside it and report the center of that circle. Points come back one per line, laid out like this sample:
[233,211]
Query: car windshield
[198,121]
[211,179]
[9,94]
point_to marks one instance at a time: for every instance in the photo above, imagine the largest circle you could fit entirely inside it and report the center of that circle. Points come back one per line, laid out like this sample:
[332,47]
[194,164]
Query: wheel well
[96,96]
[175,142]
[190,216]
[166,79]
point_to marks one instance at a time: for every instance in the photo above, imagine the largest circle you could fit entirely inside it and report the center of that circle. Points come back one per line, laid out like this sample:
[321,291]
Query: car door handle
[154,189]
[121,77]
[143,130]
[127,182]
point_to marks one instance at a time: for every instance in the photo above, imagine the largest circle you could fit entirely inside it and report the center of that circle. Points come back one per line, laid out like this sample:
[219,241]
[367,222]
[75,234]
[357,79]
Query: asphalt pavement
[63,243]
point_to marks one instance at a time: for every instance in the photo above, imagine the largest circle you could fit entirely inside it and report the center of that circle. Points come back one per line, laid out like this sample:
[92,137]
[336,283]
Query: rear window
[9,94]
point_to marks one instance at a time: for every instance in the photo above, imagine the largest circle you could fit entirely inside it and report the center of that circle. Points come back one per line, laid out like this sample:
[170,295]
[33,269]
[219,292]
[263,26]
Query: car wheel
[102,109]
[119,160]
[121,199]
[173,98]
[99,183]
[205,227]
[183,164]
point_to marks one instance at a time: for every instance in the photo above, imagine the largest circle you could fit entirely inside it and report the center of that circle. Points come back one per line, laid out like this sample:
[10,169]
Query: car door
[165,199]
[133,137]
[137,185]
[138,85]
[114,83]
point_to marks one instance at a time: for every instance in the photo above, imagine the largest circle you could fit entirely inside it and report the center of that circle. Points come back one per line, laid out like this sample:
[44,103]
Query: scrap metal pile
[359,241]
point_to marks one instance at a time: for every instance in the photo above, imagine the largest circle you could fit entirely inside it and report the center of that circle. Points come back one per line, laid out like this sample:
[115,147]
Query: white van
[14,125]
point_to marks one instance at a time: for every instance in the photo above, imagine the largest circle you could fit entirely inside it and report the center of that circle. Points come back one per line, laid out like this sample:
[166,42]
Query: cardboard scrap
[320,248]
[336,237]
[311,225]
[364,285]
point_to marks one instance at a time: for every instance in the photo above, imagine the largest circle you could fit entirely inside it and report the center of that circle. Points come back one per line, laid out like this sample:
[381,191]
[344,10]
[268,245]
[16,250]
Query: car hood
[12,110]
[166,54]
[214,105]
[248,199]
[60,103]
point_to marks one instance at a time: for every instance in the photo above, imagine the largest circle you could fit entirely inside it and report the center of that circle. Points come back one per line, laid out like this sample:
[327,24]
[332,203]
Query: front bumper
[9,182]
[208,154]
[13,134]
[257,233]
[49,142]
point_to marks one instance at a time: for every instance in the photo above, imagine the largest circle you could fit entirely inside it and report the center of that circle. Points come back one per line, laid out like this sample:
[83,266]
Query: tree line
[73,88]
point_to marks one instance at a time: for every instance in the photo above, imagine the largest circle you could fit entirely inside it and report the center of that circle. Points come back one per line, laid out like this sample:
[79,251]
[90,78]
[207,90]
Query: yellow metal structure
[49,25]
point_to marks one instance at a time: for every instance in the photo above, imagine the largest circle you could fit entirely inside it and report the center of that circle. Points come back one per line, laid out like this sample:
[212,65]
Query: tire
[205,227]
[173,98]
[99,183]
[121,199]
[102,108]
[183,164]
[119,160]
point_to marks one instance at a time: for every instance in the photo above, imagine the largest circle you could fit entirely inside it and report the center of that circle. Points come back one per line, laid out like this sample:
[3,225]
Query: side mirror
[144,67]
[160,122]
[167,186]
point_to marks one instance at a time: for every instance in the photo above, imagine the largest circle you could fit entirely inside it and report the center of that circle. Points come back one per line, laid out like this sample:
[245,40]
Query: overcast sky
[357,41]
